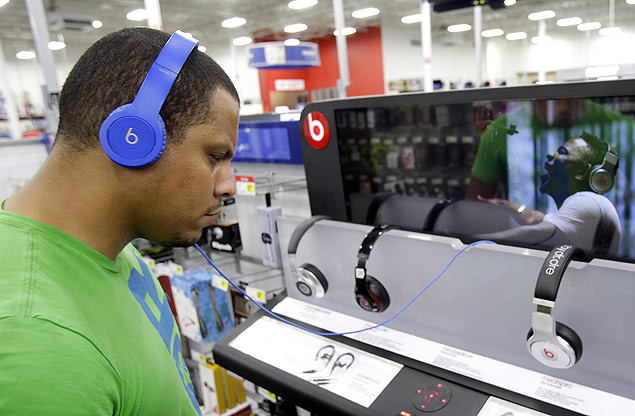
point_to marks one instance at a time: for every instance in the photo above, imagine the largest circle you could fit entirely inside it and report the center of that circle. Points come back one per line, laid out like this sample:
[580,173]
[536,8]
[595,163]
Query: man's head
[568,169]
[171,200]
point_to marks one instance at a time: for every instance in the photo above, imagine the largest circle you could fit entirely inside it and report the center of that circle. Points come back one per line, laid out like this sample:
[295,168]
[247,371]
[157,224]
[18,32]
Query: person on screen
[563,118]
[585,218]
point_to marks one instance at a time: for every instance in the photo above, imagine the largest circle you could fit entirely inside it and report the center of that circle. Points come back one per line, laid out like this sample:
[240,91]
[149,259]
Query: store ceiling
[266,18]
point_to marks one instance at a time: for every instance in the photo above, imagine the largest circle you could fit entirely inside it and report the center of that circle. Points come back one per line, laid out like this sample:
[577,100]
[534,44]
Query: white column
[154,14]
[342,53]
[426,45]
[478,23]
[542,31]
[15,128]
[40,30]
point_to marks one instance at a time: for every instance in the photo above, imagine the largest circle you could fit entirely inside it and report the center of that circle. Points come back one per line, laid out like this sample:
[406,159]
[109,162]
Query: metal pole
[40,30]
[426,45]
[478,23]
[154,14]
[342,53]
[11,105]
[542,31]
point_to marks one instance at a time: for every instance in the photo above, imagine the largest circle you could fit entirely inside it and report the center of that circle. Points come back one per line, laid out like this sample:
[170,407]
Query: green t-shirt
[81,334]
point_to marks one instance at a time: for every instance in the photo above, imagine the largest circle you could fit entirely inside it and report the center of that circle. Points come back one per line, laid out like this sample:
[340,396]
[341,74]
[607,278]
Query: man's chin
[184,240]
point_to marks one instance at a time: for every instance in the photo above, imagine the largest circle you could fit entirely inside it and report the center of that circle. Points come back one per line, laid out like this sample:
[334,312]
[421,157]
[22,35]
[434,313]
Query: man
[584,218]
[85,328]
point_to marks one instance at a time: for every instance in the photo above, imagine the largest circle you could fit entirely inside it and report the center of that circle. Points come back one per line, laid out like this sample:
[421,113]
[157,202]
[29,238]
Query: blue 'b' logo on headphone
[133,135]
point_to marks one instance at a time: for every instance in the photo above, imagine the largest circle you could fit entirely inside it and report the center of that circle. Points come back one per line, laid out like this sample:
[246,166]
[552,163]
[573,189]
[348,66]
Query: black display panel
[531,166]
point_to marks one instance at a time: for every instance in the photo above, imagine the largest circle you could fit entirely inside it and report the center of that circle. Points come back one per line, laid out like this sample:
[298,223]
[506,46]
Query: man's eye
[217,157]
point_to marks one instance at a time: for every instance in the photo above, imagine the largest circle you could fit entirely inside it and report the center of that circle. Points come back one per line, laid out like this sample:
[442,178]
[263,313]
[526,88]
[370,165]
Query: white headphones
[309,280]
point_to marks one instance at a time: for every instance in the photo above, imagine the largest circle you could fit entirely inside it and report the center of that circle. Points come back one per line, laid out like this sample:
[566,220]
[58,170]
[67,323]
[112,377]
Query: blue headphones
[133,135]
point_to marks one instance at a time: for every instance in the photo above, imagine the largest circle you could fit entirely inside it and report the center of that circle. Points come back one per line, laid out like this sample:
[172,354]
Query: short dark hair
[109,75]
[597,149]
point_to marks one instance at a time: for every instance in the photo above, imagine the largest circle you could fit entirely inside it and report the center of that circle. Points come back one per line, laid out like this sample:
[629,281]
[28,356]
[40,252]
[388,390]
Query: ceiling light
[346,31]
[25,55]
[137,15]
[202,48]
[3,2]
[610,31]
[546,14]
[490,33]
[56,45]
[630,1]
[97,24]
[292,42]
[233,22]
[516,36]
[510,2]
[589,26]
[541,39]
[363,13]
[242,41]
[459,28]
[601,71]
[302,4]
[569,21]
[298,27]
[413,18]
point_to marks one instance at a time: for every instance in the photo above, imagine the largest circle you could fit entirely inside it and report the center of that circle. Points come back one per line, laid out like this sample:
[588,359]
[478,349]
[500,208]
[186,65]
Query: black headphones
[549,341]
[308,279]
[370,294]
[601,176]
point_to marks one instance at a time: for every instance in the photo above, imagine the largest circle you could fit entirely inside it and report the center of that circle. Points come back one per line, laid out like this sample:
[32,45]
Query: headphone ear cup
[310,281]
[600,180]
[570,336]
[130,140]
[379,292]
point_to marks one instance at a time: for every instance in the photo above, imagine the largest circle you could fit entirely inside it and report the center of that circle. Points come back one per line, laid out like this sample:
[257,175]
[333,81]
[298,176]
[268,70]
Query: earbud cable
[330,334]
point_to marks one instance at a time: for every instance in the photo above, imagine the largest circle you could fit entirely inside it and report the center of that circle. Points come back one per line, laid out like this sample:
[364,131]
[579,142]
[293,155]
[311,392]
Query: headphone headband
[162,74]
[299,231]
[552,271]
[369,242]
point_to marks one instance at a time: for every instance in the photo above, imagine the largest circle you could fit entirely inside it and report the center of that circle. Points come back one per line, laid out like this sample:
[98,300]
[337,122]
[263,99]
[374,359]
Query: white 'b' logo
[131,138]
[313,125]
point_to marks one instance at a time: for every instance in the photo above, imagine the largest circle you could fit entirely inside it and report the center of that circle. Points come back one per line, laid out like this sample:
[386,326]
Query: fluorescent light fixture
[516,36]
[292,42]
[459,28]
[610,31]
[137,15]
[601,71]
[242,41]
[630,1]
[582,27]
[364,13]
[3,2]
[609,78]
[202,48]
[546,14]
[510,2]
[25,55]
[413,18]
[569,21]
[541,39]
[298,27]
[491,33]
[233,22]
[302,4]
[97,24]
[56,45]
[346,31]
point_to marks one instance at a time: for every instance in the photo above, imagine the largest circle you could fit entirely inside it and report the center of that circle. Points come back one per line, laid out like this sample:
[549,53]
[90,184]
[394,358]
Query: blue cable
[330,334]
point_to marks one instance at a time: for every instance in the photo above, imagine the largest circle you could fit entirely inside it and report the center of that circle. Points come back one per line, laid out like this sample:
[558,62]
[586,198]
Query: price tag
[245,185]
[256,294]
[219,283]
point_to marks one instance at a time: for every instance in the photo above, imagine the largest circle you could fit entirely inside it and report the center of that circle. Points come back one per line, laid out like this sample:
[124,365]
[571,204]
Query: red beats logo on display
[317,130]
[549,354]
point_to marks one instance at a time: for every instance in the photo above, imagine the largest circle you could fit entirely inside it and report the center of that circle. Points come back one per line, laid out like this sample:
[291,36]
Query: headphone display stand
[480,309]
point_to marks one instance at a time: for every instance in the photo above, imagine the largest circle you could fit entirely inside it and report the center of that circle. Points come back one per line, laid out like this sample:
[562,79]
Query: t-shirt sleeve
[49,370]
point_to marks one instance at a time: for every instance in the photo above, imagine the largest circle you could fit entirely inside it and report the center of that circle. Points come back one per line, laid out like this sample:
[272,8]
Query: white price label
[257,294]
[219,283]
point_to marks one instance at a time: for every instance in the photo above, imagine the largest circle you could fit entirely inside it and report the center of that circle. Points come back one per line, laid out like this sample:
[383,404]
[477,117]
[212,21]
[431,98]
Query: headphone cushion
[571,337]
[131,140]
[311,269]
[600,180]
[378,290]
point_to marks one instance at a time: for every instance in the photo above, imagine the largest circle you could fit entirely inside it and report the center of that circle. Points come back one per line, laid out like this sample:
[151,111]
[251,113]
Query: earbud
[550,342]
[370,294]
[309,280]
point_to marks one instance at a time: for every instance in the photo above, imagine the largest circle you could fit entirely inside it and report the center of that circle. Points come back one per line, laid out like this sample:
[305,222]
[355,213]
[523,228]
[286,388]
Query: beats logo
[317,130]
[550,355]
